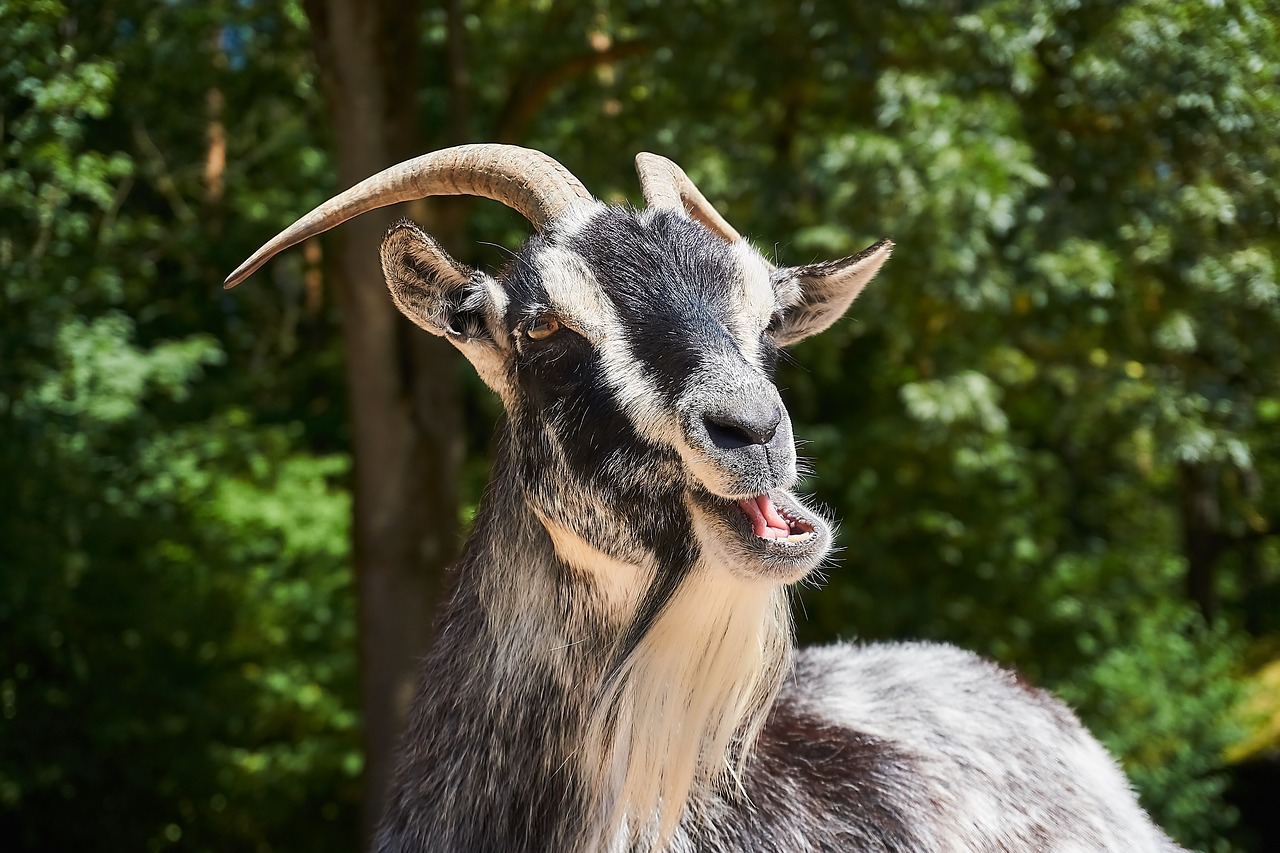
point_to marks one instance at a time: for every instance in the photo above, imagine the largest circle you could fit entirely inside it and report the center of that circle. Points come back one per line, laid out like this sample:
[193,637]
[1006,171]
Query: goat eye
[543,327]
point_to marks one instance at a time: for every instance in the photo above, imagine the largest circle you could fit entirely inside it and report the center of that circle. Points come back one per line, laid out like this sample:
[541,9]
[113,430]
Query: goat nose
[743,426]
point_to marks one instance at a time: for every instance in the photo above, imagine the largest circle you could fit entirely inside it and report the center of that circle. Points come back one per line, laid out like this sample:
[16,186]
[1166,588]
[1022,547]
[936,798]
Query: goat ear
[441,295]
[449,299]
[814,296]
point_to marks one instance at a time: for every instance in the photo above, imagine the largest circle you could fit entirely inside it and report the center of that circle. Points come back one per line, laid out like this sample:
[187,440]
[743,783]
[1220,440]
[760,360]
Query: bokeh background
[1051,427]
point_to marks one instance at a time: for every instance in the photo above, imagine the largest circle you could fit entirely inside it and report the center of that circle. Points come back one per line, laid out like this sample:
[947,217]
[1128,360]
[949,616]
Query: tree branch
[529,94]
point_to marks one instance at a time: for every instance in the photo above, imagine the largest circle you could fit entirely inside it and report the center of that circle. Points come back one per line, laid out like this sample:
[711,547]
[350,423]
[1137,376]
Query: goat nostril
[733,432]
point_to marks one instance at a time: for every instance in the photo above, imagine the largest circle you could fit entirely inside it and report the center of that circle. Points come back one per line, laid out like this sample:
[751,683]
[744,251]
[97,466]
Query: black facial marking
[569,401]
[562,381]
[671,282]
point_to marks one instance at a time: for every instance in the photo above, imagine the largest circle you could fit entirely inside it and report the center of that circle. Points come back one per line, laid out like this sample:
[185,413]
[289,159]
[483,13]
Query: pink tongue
[765,520]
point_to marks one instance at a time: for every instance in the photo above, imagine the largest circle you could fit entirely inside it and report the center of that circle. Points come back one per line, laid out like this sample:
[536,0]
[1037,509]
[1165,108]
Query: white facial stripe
[574,218]
[754,300]
[575,294]
[636,393]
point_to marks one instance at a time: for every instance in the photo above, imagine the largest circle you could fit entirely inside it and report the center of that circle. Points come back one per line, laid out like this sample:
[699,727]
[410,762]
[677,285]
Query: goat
[614,669]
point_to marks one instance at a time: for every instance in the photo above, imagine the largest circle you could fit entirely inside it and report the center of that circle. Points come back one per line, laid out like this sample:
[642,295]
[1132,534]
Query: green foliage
[1170,680]
[176,614]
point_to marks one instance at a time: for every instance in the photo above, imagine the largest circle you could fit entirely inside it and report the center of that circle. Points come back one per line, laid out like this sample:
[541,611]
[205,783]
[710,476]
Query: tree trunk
[406,409]
[402,383]
[1202,541]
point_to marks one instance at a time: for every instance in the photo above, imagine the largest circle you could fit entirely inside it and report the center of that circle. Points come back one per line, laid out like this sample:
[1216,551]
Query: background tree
[175,615]
[406,434]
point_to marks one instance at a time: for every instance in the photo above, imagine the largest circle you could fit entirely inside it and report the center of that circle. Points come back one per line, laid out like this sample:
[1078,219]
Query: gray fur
[614,668]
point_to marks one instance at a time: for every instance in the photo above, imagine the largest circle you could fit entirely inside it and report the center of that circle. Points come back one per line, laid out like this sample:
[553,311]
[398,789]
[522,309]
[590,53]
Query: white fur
[969,723]
[689,700]
[756,299]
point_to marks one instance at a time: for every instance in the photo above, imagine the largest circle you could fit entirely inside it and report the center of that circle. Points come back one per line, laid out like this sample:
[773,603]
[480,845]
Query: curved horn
[666,186]
[525,180]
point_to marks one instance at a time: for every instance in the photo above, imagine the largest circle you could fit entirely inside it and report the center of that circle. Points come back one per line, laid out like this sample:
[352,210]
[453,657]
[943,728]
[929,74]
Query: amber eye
[543,327]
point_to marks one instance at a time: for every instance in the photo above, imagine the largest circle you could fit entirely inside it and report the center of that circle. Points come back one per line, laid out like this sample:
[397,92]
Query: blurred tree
[175,609]
[404,396]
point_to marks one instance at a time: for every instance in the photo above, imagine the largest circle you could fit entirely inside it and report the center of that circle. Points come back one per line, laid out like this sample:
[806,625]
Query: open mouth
[777,528]
[771,535]
[774,522]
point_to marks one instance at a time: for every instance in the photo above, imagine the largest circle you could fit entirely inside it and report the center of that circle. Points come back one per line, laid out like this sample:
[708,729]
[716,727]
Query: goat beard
[684,708]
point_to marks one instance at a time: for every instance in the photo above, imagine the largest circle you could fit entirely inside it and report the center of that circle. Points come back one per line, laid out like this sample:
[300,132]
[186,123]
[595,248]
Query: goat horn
[528,181]
[666,186]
